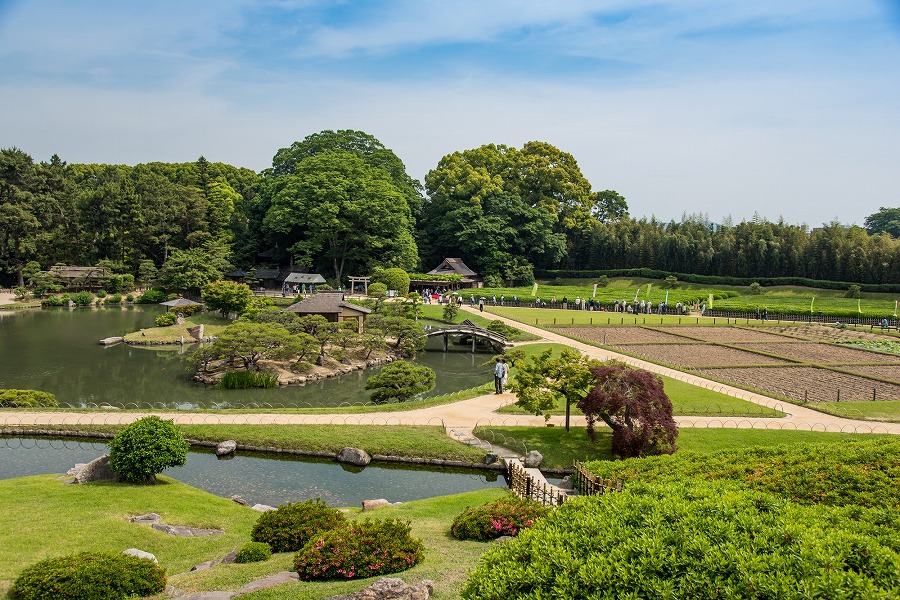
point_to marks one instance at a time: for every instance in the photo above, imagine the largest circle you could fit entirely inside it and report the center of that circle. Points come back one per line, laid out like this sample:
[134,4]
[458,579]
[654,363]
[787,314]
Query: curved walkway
[459,418]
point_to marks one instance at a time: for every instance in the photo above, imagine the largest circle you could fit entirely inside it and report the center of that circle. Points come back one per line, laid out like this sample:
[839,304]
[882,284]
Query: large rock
[354,456]
[112,340]
[140,554]
[373,504]
[392,588]
[196,332]
[226,447]
[96,470]
[240,500]
[533,459]
[182,531]
[263,507]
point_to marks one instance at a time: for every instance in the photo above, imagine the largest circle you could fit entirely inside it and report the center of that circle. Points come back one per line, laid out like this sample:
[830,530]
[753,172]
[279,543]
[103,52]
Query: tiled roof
[325,303]
[452,266]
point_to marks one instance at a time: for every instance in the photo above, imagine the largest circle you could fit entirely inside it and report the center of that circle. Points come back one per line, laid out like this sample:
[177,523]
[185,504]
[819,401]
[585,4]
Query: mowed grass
[784,299]
[413,441]
[448,561]
[42,518]
[548,317]
[173,334]
[436,313]
[880,410]
[560,447]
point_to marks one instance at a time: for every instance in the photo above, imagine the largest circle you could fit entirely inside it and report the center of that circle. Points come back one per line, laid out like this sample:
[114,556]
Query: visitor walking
[499,371]
[505,381]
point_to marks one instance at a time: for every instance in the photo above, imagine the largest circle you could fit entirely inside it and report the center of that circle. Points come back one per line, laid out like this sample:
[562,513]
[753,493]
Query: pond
[261,478]
[57,351]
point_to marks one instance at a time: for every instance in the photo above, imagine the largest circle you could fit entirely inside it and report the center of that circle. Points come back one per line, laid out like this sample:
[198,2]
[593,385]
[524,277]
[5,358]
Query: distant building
[450,266]
[332,306]
[80,276]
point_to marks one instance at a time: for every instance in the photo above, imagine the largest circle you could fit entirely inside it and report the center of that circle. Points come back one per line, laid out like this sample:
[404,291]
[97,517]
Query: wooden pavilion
[332,306]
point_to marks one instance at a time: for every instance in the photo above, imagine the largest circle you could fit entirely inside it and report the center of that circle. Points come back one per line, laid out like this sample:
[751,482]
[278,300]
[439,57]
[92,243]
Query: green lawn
[560,448]
[786,299]
[417,441]
[42,518]
[212,325]
[436,312]
[880,410]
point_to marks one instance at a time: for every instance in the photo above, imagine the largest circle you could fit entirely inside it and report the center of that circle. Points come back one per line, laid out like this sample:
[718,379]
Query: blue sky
[785,109]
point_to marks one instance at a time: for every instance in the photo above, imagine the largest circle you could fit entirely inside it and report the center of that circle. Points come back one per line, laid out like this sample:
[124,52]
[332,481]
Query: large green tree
[493,203]
[21,210]
[339,211]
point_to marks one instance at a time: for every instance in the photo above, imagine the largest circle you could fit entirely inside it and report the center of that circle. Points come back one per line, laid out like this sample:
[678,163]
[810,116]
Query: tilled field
[816,352]
[729,335]
[620,335]
[697,355]
[774,374]
[891,372]
[819,385]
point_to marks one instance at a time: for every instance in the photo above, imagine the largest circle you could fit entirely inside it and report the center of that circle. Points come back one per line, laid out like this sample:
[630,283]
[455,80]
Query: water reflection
[56,351]
[261,478]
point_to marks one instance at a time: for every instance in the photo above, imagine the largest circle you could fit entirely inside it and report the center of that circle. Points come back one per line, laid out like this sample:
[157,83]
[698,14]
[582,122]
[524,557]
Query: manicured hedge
[359,550]
[291,526]
[715,279]
[864,472]
[506,516]
[695,539]
[90,576]
[27,399]
[253,552]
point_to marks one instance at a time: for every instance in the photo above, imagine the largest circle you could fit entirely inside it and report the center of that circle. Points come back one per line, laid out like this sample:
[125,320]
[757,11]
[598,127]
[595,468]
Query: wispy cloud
[770,106]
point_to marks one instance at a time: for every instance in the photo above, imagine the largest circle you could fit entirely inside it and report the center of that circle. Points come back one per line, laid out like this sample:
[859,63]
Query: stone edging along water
[436,462]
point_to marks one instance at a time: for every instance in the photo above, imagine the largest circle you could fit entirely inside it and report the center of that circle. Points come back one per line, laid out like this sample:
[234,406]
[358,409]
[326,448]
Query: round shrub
[506,516]
[90,576]
[146,447]
[695,539]
[27,399]
[166,319]
[377,289]
[114,299]
[101,293]
[254,552]
[83,298]
[290,526]
[154,296]
[358,550]
[395,278]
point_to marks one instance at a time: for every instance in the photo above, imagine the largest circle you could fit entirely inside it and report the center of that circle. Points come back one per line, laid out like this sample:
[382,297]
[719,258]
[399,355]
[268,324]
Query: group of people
[295,289]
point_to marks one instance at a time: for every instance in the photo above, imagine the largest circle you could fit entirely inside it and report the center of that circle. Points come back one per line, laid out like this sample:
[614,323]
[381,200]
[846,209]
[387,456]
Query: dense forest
[341,203]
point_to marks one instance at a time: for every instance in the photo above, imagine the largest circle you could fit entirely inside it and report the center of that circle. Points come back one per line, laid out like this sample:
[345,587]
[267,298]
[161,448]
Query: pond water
[57,351]
[261,478]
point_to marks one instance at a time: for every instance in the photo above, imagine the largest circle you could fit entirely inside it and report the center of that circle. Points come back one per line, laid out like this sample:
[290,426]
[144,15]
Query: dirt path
[459,418]
[6,298]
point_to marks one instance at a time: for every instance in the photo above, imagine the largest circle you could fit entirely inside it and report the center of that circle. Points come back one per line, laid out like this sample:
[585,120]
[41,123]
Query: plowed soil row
[673,346]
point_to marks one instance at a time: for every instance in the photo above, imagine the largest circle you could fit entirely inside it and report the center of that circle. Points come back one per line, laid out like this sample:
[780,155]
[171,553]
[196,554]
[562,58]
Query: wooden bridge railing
[524,485]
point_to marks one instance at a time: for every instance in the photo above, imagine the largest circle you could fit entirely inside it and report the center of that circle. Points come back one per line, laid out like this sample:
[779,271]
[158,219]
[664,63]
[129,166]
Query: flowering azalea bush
[506,516]
[291,526]
[90,576]
[359,550]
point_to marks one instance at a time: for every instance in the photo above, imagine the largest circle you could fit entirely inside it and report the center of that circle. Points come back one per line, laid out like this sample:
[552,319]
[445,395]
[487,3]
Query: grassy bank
[63,519]
[560,447]
[410,441]
[173,334]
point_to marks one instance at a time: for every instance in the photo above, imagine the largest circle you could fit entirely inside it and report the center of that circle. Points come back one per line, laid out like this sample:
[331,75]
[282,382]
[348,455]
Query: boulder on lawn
[354,456]
[373,504]
[392,588]
[96,470]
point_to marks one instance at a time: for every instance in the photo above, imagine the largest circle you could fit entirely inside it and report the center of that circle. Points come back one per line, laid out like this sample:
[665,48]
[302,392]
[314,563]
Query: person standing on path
[499,371]
[505,380]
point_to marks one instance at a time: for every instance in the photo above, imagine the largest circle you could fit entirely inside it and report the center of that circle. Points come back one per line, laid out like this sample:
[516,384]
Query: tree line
[342,204]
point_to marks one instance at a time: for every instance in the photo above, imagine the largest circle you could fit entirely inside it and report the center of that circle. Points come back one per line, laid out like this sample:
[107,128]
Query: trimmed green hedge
[359,550]
[865,473]
[291,526]
[90,576]
[695,539]
[715,279]
[26,399]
